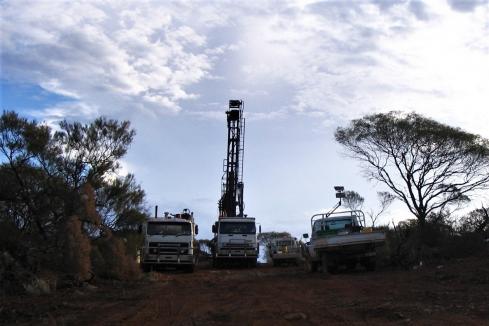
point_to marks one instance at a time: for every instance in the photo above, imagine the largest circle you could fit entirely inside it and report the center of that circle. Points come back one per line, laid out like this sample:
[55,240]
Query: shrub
[110,260]
[75,250]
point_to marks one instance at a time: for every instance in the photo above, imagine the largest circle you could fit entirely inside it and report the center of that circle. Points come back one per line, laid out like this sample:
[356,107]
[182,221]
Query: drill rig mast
[231,202]
[235,238]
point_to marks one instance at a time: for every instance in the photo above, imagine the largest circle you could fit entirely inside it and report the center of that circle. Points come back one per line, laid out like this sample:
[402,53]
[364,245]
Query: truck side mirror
[305,235]
[214,229]
[140,228]
[196,229]
[259,229]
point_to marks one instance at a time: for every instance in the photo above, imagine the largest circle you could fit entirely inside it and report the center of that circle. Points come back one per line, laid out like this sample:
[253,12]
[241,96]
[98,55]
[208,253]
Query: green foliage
[59,191]
[438,239]
[353,200]
[121,203]
[110,259]
[428,165]
[476,221]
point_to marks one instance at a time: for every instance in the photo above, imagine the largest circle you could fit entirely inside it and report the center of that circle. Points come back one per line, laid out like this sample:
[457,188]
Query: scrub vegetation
[66,217]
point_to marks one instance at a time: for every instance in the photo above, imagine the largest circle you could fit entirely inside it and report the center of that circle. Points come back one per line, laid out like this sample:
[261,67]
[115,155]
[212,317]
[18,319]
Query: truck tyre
[190,268]
[252,263]
[350,265]
[324,263]
[332,268]
[146,268]
[310,266]
[218,263]
[370,264]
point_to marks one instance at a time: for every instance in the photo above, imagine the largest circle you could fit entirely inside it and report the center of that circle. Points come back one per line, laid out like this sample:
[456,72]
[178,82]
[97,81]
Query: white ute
[341,238]
[169,241]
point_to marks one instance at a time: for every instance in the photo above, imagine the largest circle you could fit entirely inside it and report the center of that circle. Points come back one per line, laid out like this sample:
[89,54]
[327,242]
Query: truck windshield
[331,224]
[284,243]
[237,228]
[168,228]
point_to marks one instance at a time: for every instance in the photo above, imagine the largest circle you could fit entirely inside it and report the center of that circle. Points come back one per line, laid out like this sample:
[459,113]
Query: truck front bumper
[237,253]
[168,259]
[288,256]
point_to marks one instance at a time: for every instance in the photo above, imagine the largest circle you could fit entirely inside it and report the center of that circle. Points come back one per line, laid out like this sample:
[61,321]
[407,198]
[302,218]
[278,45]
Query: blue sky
[302,68]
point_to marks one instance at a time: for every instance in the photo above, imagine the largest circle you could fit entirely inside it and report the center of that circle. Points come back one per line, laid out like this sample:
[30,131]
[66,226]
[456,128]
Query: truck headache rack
[356,213]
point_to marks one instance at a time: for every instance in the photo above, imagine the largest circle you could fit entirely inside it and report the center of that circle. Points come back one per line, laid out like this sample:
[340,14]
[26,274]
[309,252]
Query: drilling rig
[234,232]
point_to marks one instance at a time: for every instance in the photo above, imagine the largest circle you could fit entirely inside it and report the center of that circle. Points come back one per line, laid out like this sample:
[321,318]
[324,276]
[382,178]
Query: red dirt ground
[453,294]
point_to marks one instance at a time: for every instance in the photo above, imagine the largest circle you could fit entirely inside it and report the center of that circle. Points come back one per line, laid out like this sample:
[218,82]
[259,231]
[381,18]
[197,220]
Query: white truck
[234,241]
[169,241]
[284,251]
[340,238]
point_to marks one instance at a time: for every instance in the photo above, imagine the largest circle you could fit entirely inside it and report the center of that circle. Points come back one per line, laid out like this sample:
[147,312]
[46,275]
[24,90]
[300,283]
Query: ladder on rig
[231,203]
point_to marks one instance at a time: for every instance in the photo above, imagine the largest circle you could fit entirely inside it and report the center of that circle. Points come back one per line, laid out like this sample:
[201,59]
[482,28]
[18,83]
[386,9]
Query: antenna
[340,193]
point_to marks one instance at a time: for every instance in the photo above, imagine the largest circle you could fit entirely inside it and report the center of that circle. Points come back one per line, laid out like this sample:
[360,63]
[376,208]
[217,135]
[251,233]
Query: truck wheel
[333,268]
[252,263]
[324,263]
[350,265]
[190,268]
[146,268]
[310,266]
[370,264]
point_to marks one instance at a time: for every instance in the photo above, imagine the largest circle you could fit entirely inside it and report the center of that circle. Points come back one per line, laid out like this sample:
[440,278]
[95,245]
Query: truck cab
[234,241]
[341,239]
[284,251]
[169,241]
[338,225]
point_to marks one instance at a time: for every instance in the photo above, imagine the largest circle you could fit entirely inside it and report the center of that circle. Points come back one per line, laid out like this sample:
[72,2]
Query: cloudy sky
[302,68]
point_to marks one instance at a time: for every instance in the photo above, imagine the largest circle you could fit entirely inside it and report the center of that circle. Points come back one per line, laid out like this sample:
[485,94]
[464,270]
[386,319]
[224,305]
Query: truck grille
[168,247]
[237,246]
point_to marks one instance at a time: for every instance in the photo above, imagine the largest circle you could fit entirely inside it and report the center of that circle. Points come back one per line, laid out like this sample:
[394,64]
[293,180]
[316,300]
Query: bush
[110,260]
[410,243]
[76,251]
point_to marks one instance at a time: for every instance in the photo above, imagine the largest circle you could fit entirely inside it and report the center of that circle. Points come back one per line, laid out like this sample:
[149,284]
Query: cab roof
[167,220]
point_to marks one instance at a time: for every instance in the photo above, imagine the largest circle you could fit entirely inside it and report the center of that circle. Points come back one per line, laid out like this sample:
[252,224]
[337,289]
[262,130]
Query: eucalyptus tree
[353,200]
[428,165]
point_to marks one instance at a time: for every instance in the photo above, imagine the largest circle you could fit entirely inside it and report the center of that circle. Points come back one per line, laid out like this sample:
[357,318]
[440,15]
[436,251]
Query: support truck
[340,238]
[284,251]
[169,241]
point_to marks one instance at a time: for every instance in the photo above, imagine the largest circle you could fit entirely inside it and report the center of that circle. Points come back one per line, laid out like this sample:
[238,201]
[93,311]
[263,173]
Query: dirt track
[457,293]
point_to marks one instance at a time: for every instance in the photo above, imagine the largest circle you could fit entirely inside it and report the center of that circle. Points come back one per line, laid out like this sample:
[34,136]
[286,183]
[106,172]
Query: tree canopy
[428,165]
[60,189]
[353,200]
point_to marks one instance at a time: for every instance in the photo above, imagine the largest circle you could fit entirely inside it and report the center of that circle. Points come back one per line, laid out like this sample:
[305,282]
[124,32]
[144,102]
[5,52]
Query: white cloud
[54,86]
[52,115]
[349,60]
[100,52]
[342,58]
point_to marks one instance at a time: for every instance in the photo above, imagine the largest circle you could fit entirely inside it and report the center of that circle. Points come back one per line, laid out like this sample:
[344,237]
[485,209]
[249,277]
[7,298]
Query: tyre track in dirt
[452,294]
